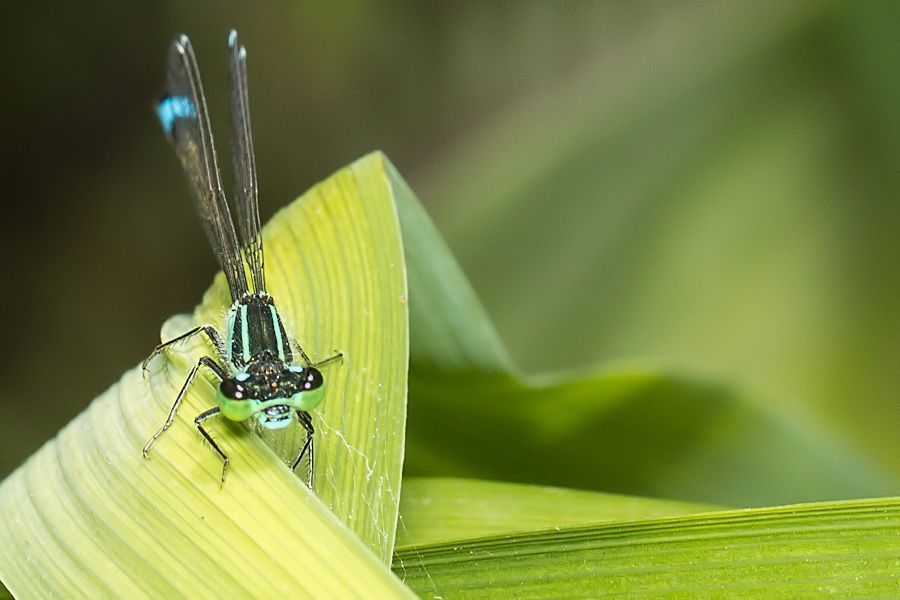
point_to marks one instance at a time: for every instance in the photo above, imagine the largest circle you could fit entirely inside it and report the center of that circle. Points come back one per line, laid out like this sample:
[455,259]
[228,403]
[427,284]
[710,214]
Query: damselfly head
[271,391]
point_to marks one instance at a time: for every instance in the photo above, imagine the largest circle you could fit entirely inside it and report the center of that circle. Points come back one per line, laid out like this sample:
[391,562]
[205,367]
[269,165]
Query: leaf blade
[87,515]
[835,548]
[435,509]
[476,415]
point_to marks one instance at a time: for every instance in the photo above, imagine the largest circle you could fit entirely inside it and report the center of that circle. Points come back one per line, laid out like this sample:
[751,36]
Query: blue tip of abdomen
[174,107]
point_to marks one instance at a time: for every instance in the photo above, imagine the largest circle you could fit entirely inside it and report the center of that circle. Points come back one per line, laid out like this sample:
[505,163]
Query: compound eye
[312,379]
[233,389]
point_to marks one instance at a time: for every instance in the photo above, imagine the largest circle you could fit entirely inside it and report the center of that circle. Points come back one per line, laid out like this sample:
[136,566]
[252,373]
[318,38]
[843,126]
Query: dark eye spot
[233,389]
[313,379]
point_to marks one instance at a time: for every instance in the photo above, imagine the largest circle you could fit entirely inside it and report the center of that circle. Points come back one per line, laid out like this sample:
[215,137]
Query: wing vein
[244,161]
[184,115]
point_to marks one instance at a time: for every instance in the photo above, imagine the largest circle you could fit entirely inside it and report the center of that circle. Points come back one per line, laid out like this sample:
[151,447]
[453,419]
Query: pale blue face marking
[242,376]
[295,369]
[174,107]
[272,424]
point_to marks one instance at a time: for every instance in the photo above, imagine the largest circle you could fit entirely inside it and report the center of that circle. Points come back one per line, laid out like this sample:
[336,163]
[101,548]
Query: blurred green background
[712,187]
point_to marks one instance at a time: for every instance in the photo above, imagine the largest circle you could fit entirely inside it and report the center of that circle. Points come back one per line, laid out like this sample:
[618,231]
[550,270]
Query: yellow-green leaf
[833,549]
[88,516]
[440,509]
[632,430]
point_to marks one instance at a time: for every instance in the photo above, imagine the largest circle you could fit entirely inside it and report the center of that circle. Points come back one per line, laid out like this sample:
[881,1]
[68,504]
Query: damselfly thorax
[259,350]
[254,327]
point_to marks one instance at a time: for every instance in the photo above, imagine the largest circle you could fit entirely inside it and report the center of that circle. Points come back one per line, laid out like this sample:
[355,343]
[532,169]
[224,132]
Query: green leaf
[843,549]
[698,192]
[86,515]
[439,509]
[448,327]
[629,428]
[634,431]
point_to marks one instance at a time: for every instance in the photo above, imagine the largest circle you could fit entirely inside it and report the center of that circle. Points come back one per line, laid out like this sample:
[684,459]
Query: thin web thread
[369,466]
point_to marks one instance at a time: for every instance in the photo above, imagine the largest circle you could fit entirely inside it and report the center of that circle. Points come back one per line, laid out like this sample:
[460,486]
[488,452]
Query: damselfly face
[270,390]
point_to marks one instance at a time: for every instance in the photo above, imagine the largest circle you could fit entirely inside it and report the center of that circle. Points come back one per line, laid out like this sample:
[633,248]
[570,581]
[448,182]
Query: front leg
[308,447]
[336,356]
[209,330]
[296,347]
[204,360]
[199,420]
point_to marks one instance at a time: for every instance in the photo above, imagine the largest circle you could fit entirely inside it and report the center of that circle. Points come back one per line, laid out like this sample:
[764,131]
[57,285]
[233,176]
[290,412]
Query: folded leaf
[437,509]
[87,515]
[634,429]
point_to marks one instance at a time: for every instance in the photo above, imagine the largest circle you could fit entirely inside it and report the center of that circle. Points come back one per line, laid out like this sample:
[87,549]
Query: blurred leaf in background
[718,192]
[711,188]
[631,428]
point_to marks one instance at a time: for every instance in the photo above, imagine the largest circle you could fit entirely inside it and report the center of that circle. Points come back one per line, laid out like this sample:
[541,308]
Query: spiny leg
[204,360]
[337,356]
[199,420]
[308,446]
[307,360]
[209,330]
[296,346]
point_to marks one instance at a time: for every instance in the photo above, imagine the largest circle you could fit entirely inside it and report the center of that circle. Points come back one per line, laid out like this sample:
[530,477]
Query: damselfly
[255,365]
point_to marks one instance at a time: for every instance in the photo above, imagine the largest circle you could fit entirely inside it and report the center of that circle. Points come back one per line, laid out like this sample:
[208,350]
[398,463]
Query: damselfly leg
[308,447]
[199,420]
[295,345]
[330,359]
[204,361]
[209,330]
